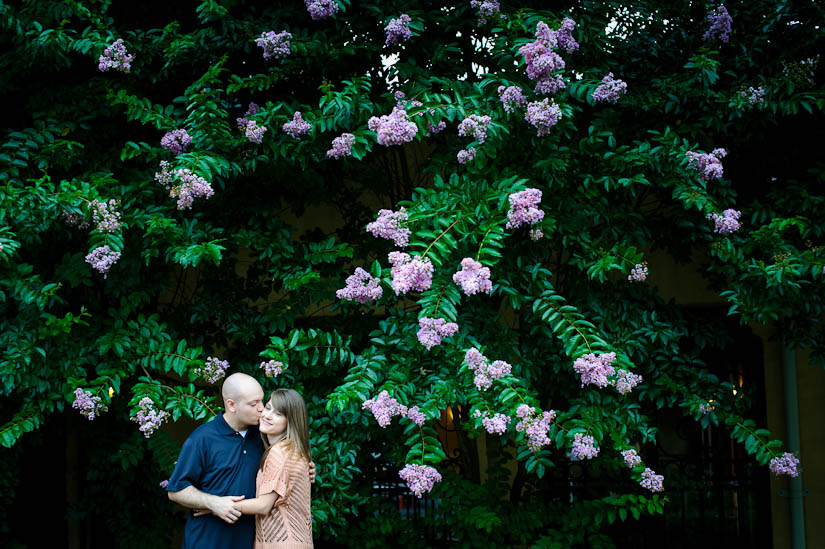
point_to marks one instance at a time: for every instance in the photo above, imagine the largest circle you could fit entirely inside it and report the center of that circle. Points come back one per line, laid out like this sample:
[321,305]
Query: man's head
[243,400]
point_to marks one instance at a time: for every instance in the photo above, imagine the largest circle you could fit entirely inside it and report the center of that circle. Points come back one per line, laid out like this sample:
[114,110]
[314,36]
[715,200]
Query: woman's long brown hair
[290,404]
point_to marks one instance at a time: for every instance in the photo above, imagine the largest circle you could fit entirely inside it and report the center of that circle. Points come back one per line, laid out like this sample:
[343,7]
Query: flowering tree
[527,163]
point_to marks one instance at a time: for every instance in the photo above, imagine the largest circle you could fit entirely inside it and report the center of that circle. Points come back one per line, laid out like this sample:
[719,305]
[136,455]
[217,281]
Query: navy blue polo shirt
[218,460]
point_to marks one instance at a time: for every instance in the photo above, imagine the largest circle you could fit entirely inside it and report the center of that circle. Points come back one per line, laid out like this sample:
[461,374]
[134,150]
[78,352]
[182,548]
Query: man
[217,467]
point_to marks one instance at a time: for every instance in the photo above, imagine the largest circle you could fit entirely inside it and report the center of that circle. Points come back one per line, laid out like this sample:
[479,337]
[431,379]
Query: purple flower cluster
[165,176]
[511,97]
[410,273]
[74,219]
[475,126]
[534,425]
[102,258]
[542,62]
[321,9]
[297,127]
[398,30]
[610,90]
[148,417]
[726,223]
[164,483]
[564,36]
[191,186]
[631,458]
[753,95]
[524,208]
[543,115]
[536,234]
[625,381]
[486,8]
[176,141]
[485,373]
[420,478]
[584,447]
[495,424]
[252,110]
[786,464]
[394,128]
[105,215]
[594,370]
[342,146]
[709,166]
[251,129]
[405,104]
[274,44]
[272,368]
[638,273]
[473,278]
[116,57]
[361,287]
[466,155]
[431,330]
[651,480]
[213,370]
[416,415]
[706,407]
[87,404]
[390,225]
[384,408]
[720,24]
[438,128]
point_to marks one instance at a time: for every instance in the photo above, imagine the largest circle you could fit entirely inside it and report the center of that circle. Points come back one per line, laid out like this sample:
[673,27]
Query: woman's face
[272,422]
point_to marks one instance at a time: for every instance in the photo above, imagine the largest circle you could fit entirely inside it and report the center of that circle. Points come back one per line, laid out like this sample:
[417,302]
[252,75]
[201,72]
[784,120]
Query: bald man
[217,467]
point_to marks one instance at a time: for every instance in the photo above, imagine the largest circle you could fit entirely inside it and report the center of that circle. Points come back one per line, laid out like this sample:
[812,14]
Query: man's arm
[223,507]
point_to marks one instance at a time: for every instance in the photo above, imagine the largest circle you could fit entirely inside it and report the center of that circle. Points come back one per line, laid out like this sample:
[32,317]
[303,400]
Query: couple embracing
[251,461]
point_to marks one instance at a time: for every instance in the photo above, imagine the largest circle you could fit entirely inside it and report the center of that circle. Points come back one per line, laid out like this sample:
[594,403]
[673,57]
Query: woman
[282,504]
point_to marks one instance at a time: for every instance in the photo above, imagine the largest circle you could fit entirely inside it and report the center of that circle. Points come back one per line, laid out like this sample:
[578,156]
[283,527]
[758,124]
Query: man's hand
[224,508]
[312,472]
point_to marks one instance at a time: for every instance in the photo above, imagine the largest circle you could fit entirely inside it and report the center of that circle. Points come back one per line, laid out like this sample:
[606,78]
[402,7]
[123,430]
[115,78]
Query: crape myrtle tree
[498,175]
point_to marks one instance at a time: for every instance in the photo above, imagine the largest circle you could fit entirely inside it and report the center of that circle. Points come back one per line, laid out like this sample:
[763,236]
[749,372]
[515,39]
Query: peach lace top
[289,524]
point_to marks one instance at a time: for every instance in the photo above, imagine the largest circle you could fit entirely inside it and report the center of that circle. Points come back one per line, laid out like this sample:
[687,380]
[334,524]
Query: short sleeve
[275,476]
[189,468]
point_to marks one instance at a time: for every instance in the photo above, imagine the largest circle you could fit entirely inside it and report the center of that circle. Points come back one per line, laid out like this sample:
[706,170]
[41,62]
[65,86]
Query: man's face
[249,406]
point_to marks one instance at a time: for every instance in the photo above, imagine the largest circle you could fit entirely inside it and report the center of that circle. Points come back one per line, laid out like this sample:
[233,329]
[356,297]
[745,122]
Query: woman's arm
[260,505]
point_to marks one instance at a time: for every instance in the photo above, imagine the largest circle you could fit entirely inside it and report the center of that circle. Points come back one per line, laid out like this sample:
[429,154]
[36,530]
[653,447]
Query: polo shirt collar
[225,429]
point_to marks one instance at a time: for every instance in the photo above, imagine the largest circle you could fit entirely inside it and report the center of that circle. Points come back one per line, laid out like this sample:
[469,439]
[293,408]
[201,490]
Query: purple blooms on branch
[361,287]
[584,447]
[543,115]
[486,8]
[321,9]
[473,278]
[384,408]
[564,36]
[511,97]
[466,155]
[709,166]
[105,216]
[115,57]
[638,273]
[524,209]
[192,186]
[594,370]
[485,373]
[297,127]
[394,128]
[213,370]
[720,24]
[475,126]
[390,225]
[610,90]
[87,404]
[176,141]
[542,62]
[535,426]
[438,128]
[495,424]
[398,30]
[420,478]
[786,464]
[274,44]
[651,480]
[148,417]
[410,273]
[272,368]
[253,132]
[631,458]
[341,146]
[726,223]
[754,96]
[431,330]
[102,258]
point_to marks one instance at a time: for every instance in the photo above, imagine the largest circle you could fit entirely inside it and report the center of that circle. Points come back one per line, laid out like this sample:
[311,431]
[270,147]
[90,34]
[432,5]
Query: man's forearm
[191,497]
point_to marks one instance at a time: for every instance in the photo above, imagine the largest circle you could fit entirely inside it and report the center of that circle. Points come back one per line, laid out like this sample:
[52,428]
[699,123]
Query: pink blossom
[361,287]
[391,225]
[543,115]
[398,30]
[342,146]
[393,129]
[651,480]
[420,478]
[786,464]
[473,277]
[524,209]
[433,329]
[384,408]
[584,447]
[297,127]
[410,274]
[272,368]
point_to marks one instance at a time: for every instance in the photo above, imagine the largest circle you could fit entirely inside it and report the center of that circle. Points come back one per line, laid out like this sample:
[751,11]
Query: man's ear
[230,405]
